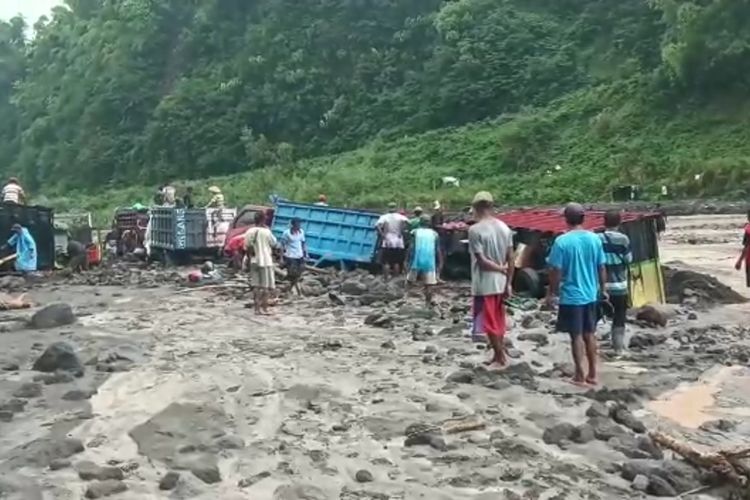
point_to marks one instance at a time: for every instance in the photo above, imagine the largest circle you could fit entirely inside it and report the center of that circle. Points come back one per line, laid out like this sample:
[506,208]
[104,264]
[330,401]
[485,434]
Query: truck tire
[527,281]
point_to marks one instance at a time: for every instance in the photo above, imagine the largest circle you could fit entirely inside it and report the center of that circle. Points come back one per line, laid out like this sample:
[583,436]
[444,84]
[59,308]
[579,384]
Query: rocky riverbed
[145,389]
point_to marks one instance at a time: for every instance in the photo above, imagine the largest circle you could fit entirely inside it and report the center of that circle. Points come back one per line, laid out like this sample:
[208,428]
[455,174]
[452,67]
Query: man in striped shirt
[13,192]
[618,259]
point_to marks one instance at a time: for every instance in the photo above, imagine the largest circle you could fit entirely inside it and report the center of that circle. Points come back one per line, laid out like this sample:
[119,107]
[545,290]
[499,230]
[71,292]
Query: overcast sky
[30,9]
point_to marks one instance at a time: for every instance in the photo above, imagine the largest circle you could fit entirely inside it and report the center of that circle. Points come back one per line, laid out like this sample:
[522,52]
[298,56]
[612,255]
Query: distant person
[259,245]
[187,199]
[577,270]
[618,259]
[425,259]
[217,198]
[169,195]
[77,257]
[295,252]
[25,248]
[159,196]
[438,218]
[391,228]
[322,201]
[661,220]
[491,248]
[416,221]
[13,192]
[745,254]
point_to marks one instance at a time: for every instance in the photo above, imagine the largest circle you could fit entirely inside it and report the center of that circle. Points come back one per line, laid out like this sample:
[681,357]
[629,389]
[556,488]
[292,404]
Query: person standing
[491,248]
[187,199]
[745,254]
[259,245]
[577,270]
[391,228]
[322,201]
[618,259]
[295,252]
[13,192]
[416,221]
[217,198]
[25,247]
[425,258]
[169,195]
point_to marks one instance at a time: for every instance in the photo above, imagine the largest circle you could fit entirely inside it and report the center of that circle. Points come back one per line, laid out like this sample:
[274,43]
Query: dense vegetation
[541,100]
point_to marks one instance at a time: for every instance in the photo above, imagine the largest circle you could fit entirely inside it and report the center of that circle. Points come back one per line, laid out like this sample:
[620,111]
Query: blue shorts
[578,320]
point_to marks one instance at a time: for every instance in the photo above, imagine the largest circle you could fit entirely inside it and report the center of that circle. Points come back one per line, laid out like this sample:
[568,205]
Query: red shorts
[489,316]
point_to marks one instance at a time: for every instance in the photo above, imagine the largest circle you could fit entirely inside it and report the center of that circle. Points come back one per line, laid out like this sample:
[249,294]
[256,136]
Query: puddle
[691,405]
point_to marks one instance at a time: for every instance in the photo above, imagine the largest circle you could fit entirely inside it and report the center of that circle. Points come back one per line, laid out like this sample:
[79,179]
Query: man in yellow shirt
[259,246]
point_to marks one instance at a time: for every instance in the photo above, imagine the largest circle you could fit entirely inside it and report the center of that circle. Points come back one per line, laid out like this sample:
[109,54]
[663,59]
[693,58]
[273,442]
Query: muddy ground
[355,392]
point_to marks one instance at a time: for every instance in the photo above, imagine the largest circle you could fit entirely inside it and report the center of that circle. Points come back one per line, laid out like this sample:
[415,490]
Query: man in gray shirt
[491,248]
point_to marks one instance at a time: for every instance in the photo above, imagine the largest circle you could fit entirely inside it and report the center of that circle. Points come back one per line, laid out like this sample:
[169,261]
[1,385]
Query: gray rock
[659,487]
[77,395]
[9,366]
[510,474]
[6,416]
[336,299]
[28,390]
[461,377]
[605,429]
[52,316]
[364,476]
[640,483]
[230,443]
[208,473]
[628,446]
[353,287]
[646,444]
[622,416]
[558,433]
[89,471]
[59,356]
[14,405]
[249,481]
[299,491]
[54,378]
[106,488]
[388,344]
[169,481]
[583,434]
[597,409]
[541,339]
[59,463]
[380,320]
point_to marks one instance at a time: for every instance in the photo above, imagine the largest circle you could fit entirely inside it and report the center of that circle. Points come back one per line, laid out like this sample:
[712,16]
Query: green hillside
[540,101]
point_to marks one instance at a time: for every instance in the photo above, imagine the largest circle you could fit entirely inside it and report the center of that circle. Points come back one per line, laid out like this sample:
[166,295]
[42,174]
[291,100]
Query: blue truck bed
[332,234]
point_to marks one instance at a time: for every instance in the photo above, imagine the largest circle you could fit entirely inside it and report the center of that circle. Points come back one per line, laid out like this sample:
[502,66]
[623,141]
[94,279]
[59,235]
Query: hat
[214,190]
[322,197]
[483,197]
[392,205]
[418,210]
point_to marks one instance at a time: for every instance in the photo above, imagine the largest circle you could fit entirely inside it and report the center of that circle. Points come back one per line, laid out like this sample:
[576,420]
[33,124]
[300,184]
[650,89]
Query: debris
[249,481]
[706,290]
[52,316]
[470,423]
[8,302]
[654,315]
[28,391]
[557,433]
[89,471]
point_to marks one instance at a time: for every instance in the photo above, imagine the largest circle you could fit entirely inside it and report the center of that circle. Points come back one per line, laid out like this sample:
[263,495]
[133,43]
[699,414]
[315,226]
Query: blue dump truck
[341,236]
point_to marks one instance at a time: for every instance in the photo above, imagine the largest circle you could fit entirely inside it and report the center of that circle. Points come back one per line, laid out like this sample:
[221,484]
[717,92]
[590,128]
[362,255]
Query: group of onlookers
[166,196]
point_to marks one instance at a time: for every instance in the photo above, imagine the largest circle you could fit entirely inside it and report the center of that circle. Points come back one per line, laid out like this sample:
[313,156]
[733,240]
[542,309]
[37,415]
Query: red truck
[234,245]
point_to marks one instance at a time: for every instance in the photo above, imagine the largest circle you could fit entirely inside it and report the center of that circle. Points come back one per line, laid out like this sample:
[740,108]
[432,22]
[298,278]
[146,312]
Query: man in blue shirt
[577,269]
[295,252]
[425,258]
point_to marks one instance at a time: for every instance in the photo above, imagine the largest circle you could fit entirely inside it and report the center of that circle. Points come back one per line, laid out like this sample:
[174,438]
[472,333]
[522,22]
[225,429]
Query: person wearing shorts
[577,270]
[491,248]
[425,258]
[259,245]
[295,252]
[745,254]
[619,257]
[391,228]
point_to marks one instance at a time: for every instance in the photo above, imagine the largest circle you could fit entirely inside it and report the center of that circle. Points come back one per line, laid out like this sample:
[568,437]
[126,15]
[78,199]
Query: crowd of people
[166,196]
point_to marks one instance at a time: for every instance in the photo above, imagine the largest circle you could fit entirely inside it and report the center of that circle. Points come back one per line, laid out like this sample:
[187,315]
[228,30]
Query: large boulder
[656,314]
[52,316]
[556,434]
[59,356]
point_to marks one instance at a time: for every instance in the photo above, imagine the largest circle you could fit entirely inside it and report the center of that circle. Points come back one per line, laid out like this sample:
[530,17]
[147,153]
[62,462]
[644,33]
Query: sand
[300,404]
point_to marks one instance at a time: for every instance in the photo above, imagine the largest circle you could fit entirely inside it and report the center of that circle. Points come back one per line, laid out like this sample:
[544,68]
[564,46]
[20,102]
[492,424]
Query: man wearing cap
[217,198]
[491,248]
[577,269]
[416,221]
[391,228]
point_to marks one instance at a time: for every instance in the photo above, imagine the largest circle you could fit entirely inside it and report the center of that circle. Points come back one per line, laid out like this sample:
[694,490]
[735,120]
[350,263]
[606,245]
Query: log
[463,425]
[716,462]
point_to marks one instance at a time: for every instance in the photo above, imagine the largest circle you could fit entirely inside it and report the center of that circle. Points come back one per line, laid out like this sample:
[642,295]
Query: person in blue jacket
[25,248]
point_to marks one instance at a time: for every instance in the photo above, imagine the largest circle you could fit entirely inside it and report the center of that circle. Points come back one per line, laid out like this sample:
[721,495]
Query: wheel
[527,281]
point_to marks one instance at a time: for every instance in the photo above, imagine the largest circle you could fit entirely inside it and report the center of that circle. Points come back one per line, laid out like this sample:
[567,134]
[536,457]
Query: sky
[30,9]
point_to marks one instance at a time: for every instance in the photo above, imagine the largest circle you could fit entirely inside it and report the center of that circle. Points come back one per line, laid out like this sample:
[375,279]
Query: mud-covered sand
[315,404]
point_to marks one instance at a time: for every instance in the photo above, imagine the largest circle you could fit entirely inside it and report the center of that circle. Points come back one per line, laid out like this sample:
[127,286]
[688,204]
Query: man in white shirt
[391,228]
[259,245]
[13,192]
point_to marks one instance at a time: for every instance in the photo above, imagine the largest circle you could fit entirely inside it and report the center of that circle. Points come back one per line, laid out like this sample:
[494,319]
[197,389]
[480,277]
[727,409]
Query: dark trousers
[620,307]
